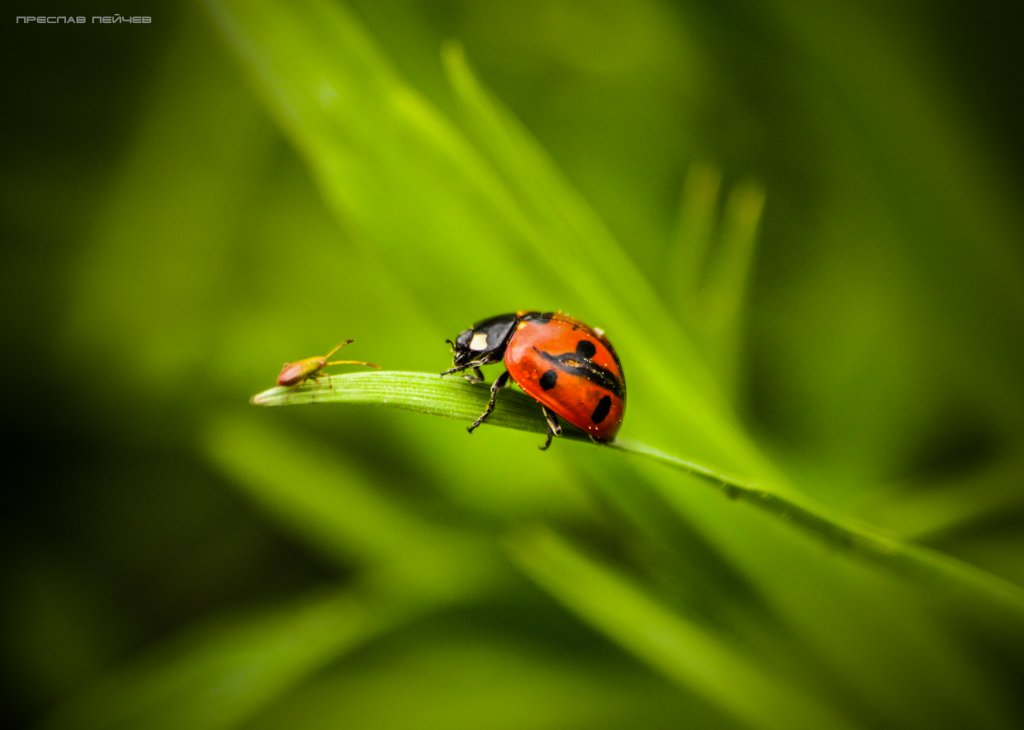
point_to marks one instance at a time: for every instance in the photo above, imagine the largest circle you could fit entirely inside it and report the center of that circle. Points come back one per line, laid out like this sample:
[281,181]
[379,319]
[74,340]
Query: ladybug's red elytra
[568,367]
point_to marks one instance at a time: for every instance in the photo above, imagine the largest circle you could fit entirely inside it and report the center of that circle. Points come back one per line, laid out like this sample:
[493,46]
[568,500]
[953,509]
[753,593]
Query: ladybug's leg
[475,365]
[554,428]
[497,385]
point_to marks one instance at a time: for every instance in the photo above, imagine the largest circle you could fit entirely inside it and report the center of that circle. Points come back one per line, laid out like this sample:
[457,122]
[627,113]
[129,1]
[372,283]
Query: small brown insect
[298,372]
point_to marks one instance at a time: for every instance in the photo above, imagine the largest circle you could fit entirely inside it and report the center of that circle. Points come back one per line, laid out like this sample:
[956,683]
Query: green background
[799,223]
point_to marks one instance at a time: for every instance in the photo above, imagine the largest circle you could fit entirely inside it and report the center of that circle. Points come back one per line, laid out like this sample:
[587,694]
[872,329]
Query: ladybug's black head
[484,342]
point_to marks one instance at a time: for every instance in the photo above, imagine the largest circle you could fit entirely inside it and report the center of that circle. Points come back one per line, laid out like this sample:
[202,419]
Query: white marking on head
[479,342]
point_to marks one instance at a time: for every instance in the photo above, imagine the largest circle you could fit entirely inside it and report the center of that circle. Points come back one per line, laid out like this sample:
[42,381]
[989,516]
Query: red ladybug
[568,367]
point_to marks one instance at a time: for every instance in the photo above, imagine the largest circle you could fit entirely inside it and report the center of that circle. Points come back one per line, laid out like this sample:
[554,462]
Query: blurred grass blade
[599,261]
[688,654]
[333,507]
[543,191]
[729,273]
[372,142]
[939,572]
[455,398]
[921,510]
[686,261]
[728,279]
[709,264]
[220,676]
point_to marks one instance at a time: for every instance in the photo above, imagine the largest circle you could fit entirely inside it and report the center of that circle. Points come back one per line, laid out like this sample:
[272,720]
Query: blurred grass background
[808,255]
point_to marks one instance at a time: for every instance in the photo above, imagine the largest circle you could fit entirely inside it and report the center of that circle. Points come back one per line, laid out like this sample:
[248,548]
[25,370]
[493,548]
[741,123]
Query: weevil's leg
[497,385]
[354,362]
[322,376]
[554,428]
[316,379]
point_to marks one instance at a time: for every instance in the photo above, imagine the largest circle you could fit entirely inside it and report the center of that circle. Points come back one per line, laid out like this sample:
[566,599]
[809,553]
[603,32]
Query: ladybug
[568,367]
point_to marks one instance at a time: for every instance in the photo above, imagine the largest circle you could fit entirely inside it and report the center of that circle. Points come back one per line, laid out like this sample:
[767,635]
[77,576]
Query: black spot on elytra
[548,380]
[572,363]
[601,412]
[586,349]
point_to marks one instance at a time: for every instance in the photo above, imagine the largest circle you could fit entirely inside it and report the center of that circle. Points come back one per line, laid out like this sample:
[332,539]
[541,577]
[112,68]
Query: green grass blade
[220,676]
[371,140]
[548,198]
[455,398]
[728,281]
[936,570]
[709,264]
[686,261]
[334,507]
[451,397]
[929,511]
[452,676]
[682,650]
